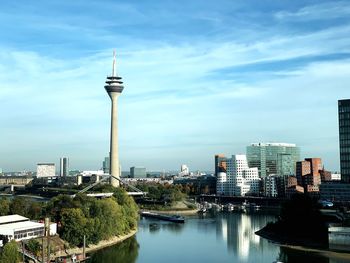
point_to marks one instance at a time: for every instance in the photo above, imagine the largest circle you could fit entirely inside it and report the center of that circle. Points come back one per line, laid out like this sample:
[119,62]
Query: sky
[200,78]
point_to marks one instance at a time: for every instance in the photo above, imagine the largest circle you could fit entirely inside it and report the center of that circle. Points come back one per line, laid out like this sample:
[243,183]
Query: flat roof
[8,229]
[281,144]
[12,218]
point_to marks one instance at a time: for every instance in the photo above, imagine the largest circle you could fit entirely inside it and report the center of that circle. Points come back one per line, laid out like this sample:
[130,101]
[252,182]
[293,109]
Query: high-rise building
[273,158]
[344,138]
[114,87]
[64,167]
[239,179]
[138,172]
[105,165]
[45,170]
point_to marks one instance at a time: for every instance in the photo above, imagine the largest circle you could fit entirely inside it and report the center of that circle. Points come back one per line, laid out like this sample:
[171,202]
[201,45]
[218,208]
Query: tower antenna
[114,64]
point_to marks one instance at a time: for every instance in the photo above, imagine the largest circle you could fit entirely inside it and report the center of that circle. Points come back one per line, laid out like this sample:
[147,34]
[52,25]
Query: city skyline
[203,79]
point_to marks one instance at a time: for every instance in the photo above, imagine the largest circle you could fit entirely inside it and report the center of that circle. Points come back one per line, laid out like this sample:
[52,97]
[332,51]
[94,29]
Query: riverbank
[174,212]
[93,247]
[308,246]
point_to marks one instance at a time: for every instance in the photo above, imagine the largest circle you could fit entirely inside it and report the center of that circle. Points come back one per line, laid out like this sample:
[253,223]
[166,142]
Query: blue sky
[201,77]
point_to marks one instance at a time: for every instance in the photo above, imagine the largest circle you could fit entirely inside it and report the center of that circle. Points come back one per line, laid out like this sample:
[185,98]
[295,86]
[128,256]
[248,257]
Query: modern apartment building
[239,179]
[308,173]
[270,185]
[273,158]
[344,138]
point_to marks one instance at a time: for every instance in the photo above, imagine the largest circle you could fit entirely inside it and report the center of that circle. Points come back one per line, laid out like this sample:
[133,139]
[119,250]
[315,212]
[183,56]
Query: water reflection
[125,252]
[222,237]
[238,230]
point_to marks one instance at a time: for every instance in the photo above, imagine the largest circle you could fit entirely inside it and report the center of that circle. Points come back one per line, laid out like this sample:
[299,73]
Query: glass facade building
[344,138]
[138,172]
[273,158]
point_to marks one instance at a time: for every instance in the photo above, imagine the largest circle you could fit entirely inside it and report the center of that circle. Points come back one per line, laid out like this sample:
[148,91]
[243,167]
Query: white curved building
[239,180]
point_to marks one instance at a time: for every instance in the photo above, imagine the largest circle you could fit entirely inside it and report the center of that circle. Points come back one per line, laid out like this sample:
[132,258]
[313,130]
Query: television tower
[114,87]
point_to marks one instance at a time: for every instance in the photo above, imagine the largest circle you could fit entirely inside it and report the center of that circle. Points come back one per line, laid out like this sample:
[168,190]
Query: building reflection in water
[238,230]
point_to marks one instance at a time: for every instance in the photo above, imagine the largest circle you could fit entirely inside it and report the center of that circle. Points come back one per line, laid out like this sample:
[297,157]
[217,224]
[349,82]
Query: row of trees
[97,219]
[22,206]
[165,192]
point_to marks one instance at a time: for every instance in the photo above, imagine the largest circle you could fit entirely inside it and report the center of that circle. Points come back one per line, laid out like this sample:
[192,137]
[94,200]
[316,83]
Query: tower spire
[114,64]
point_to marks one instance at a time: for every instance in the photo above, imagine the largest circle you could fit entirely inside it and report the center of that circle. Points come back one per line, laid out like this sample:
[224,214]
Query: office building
[344,138]
[45,170]
[239,179]
[335,191]
[64,167]
[105,165]
[138,172]
[114,87]
[273,158]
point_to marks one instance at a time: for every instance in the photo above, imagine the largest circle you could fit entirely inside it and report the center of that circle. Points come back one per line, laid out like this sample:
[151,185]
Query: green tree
[57,204]
[4,206]
[34,210]
[10,253]
[19,206]
[73,226]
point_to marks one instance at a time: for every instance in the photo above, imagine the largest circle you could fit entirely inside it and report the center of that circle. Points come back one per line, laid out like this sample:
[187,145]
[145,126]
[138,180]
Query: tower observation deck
[114,87]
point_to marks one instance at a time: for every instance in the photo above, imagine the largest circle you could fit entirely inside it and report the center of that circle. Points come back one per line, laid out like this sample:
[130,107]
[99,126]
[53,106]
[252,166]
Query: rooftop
[8,229]
[12,218]
[282,144]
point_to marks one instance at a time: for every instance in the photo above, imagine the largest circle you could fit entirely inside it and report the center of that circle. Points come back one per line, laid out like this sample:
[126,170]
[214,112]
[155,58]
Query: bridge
[136,191]
[12,186]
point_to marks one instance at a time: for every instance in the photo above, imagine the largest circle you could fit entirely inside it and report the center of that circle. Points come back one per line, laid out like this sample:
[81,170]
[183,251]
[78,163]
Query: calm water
[225,237]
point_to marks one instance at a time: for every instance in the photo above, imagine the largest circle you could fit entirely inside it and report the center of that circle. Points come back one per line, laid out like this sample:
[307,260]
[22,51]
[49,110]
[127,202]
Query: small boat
[202,210]
[229,207]
[171,218]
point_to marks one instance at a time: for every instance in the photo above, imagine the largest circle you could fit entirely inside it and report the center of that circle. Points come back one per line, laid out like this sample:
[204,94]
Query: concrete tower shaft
[114,88]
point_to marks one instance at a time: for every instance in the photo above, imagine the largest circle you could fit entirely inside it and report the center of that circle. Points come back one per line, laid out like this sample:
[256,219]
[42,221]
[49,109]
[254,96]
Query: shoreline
[93,247]
[323,252]
[172,212]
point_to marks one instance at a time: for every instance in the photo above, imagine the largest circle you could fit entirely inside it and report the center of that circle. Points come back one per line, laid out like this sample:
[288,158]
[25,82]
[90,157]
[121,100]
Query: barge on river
[171,218]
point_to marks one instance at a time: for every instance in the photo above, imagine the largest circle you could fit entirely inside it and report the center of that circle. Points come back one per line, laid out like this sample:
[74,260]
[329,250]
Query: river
[222,237]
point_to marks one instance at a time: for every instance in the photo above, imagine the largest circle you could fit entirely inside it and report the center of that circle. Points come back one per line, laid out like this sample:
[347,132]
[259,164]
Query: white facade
[16,227]
[184,171]
[221,183]
[45,170]
[336,177]
[240,180]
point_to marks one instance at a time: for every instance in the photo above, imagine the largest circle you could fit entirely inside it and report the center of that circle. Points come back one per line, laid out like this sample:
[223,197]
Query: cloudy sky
[201,77]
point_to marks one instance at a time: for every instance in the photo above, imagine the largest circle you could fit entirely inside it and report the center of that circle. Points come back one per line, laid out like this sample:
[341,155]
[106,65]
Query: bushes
[33,246]
[10,253]
[97,219]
